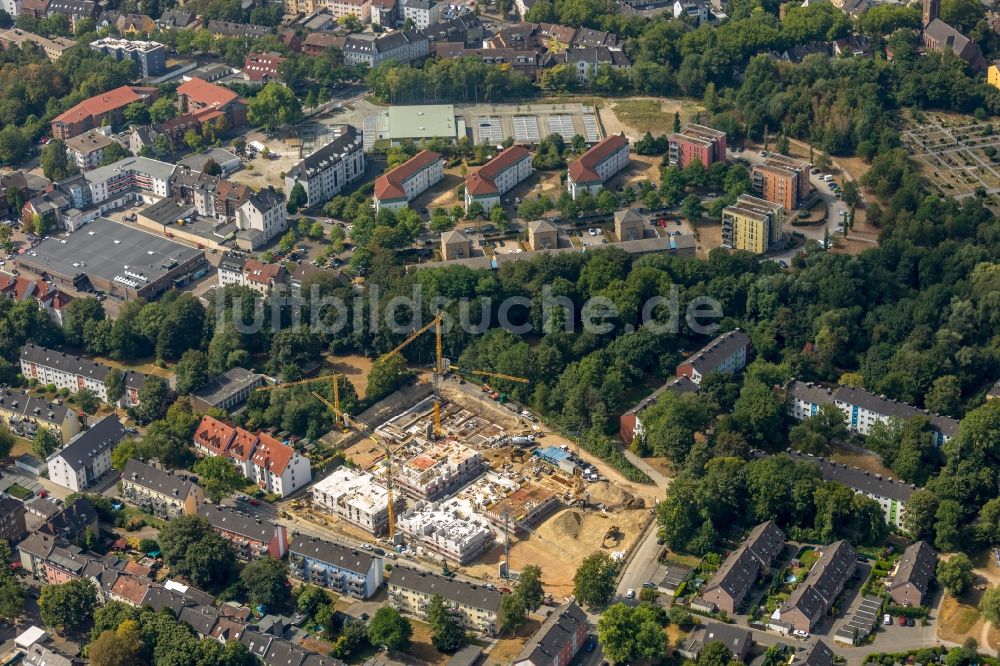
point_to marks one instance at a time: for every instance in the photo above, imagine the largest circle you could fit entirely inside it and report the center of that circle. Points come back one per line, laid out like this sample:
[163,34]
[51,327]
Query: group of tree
[594,580]
[194,550]
[526,596]
[633,633]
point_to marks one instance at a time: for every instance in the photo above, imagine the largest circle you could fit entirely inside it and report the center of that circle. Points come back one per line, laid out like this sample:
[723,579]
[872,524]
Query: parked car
[800,633]
[630,594]
[910,622]
[902,621]
[254,501]
[649,585]
[887,619]
[592,231]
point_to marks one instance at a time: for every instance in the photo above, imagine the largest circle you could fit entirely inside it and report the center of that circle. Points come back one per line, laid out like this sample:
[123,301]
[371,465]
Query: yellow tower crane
[333,383]
[438,363]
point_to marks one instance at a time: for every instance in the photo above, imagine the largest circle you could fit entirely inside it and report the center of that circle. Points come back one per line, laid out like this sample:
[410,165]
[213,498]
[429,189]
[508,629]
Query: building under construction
[523,507]
[451,529]
[356,497]
[439,469]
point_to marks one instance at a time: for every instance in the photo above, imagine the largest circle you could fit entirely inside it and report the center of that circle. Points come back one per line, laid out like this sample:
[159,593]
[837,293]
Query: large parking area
[958,155]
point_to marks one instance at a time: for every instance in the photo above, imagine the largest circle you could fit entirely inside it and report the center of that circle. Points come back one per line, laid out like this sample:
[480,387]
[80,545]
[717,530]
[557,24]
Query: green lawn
[152,521]
[20,492]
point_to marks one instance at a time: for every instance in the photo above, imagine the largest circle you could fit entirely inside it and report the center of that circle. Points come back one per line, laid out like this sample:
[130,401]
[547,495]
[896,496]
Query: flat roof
[30,636]
[167,211]
[421,121]
[108,249]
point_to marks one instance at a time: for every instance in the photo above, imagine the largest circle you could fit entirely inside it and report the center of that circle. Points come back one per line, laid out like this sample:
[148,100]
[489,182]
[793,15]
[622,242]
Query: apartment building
[75,10]
[396,188]
[47,366]
[752,224]
[862,408]
[87,456]
[451,529]
[478,608]
[159,492]
[729,586]
[423,13]
[815,596]
[440,469]
[207,101]
[250,537]
[249,272]
[588,61]
[597,165]
[630,423]
[372,50]
[12,523]
[151,57]
[891,495]
[383,12]
[24,413]
[261,218]
[914,575]
[362,9]
[87,150]
[356,497]
[497,177]
[558,640]
[277,467]
[728,353]
[782,180]
[262,67]
[696,142]
[330,565]
[53,47]
[326,172]
[93,111]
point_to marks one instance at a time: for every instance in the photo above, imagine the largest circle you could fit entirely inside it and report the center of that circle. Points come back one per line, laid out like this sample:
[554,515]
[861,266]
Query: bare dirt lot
[354,367]
[638,115]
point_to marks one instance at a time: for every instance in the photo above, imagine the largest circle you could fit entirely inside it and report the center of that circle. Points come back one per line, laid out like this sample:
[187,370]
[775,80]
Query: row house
[226,29]
[345,570]
[862,408]
[728,353]
[729,586]
[94,111]
[596,166]
[911,581]
[47,366]
[815,596]
[273,465]
[24,413]
[87,457]
[497,177]
[327,171]
[396,188]
[372,50]
[477,607]
[558,639]
[159,492]
[250,537]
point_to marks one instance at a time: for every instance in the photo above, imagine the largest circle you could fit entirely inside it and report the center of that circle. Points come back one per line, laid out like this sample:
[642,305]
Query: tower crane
[364,429]
[334,386]
[438,363]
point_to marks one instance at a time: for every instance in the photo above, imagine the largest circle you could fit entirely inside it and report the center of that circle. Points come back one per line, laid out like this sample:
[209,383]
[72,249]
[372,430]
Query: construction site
[475,481]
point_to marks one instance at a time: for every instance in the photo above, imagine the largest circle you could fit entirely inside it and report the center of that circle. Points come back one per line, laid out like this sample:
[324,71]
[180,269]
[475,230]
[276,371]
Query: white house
[597,165]
[325,173]
[497,177]
[47,366]
[261,218]
[395,189]
[422,12]
[697,11]
[277,467]
[87,456]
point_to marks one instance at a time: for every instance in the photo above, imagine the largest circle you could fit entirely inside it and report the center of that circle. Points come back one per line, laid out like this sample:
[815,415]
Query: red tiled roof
[132,588]
[390,184]
[243,445]
[272,455]
[258,271]
[214,435]
[259,66]
[137,569]
[583,170]
[324,41]
[484,180]
[207,94]
[103,103]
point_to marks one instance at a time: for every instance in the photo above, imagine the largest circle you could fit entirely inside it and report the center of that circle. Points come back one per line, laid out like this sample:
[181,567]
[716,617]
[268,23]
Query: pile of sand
[606,493]
[564,526]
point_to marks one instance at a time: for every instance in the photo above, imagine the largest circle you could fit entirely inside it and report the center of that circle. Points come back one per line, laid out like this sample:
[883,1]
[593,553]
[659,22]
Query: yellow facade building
[752,224]
[993,75]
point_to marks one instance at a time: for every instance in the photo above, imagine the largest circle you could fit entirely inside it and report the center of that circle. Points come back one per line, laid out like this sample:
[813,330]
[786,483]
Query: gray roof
[103,435]
[627,215]
[256,642]
[201,618]
[88,142]
[457,591]
[285,653]
[38,544]
[554,635]
[104,248]
[197,162]
[85,367]
[146,165]
[947,426]
[947,36]
[467,656]
[39,655]
[328,155]
[765,541]
[159,597]
[266,199]
[824,581]
[810,393]
[657,244]
[817,654]
[736,639]
[675,385]
[230,520]
[167,211]
[718,350]
[156,479]
[858,479]
[917,567]
[31,406]
[343,557]
[225,385]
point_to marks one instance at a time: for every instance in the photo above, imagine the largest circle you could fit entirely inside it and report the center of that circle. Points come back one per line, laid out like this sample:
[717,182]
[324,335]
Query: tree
[692,209]
[45,443]
[114,386]
[632,634]
[311,599]
[389,629]
[677,121]
[715,653]
[193,549]
[945,396]
[219,476]
[990,605]
[385,376]
[297,198]
[154,398]
[114,152]
[447,634]
[68,605]
[55,162]
[15,145]
[191,372]
[514,612]
[136,113]
[266,583]
[6,442]
[162,110]
[87,400]
[499,218]
[121,454]
[274,106]
[11,597]
[211,168]
[955,573]
[119,647]
[529,587]
[594,581]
